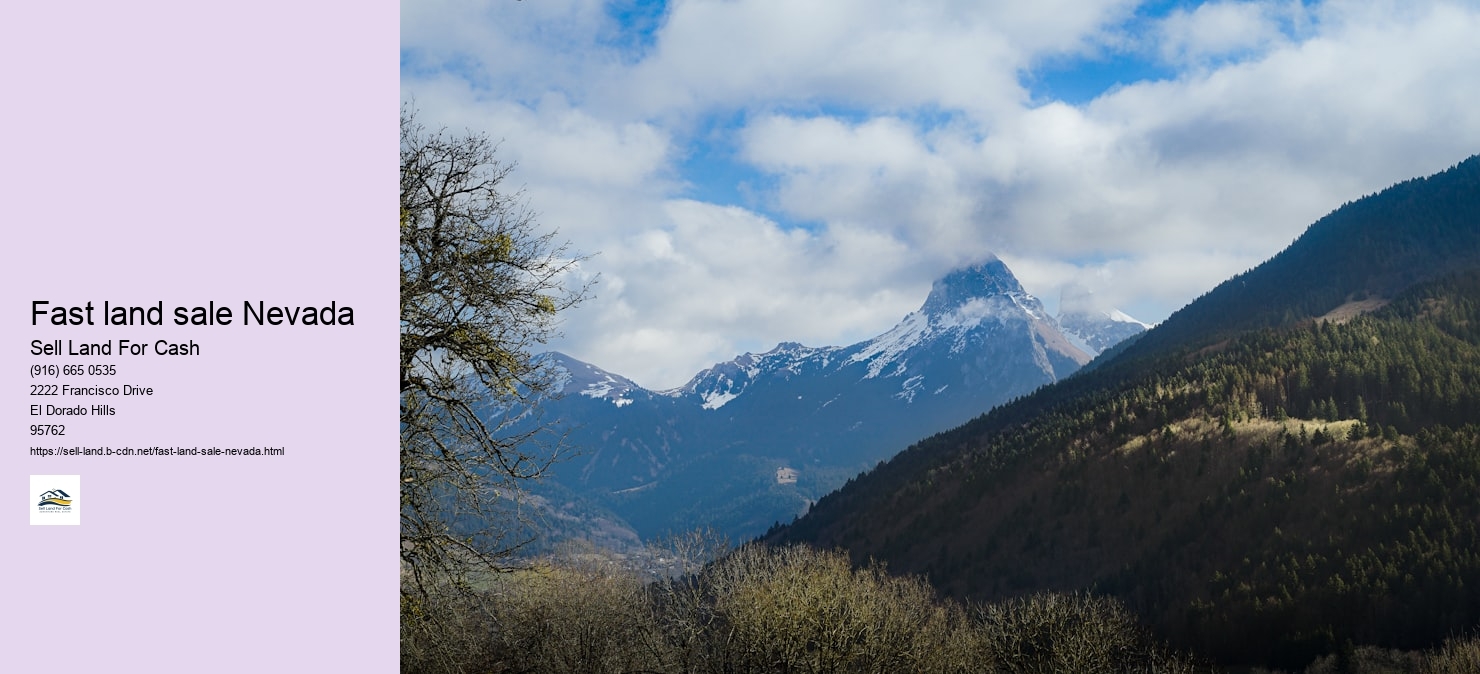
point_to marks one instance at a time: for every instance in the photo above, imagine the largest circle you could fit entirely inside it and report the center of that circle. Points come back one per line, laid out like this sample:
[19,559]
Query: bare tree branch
[481,288]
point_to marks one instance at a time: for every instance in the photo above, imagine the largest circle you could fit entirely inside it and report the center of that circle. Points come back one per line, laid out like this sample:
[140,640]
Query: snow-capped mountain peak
[960,304]
[574,376]
[1090,324]
[964,285]
[725,381]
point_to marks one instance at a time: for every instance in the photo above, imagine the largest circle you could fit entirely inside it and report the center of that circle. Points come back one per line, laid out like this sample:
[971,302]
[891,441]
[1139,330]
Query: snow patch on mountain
[599,389]
[887,348]
[1092,325]
[714,400]
[723,382]
[609,387]
[1078,341]
[1094,332]
[1120,317]
[589,380]
[909,388]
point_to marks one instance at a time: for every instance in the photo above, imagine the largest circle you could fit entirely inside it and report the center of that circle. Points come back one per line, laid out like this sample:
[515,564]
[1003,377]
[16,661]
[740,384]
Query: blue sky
[752,171]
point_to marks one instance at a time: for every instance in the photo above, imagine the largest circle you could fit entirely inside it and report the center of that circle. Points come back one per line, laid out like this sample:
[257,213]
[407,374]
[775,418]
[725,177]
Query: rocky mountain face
[755,440]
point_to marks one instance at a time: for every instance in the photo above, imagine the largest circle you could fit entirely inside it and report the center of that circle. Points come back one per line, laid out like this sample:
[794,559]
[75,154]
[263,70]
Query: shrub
[794,610]
[1457,656]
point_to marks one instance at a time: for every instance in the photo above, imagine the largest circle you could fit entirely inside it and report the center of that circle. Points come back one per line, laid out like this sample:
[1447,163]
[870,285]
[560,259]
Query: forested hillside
[1261,484]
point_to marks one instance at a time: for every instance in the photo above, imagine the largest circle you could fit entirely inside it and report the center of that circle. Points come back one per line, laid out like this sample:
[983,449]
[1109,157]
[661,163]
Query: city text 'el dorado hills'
[209,314]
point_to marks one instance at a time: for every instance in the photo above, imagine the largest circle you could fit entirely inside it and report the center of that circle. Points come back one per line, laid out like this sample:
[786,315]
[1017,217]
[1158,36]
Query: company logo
[55,497]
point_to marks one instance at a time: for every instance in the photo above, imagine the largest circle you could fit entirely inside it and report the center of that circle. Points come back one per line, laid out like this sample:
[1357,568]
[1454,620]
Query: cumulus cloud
[896,140]
[711,281]
[1222,30]
[872,53]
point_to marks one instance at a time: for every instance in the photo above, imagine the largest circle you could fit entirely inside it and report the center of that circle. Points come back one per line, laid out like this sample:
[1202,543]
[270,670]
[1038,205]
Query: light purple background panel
[190,152]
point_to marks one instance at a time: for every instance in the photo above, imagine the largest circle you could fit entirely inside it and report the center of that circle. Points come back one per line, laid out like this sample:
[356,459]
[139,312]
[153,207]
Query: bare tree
[481,288]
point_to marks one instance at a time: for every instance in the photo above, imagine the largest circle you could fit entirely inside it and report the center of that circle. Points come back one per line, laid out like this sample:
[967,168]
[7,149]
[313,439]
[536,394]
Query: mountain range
[755,440]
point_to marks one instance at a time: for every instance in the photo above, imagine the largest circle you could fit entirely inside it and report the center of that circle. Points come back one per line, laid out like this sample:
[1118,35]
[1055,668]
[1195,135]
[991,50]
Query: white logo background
[40,484]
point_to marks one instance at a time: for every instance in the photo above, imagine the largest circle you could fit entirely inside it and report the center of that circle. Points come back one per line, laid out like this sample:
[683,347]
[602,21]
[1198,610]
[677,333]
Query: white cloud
[712,281]
[902,137]
[513,51]
[784,144]
[1218,30]
[962,55]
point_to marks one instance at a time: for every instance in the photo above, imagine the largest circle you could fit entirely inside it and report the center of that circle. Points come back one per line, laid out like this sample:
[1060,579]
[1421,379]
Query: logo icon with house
[55,497]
